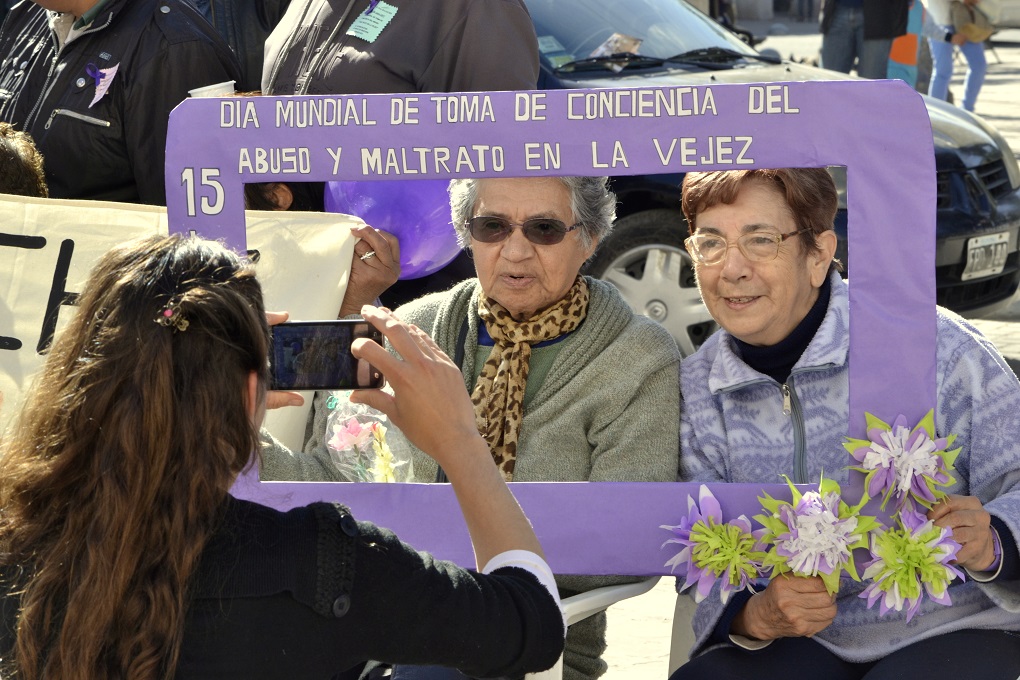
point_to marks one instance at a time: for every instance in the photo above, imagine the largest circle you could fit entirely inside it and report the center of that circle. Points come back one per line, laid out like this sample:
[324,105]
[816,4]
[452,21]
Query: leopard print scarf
[499,394]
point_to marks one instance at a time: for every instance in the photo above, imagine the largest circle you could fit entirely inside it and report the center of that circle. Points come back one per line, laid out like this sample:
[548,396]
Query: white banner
[48,246]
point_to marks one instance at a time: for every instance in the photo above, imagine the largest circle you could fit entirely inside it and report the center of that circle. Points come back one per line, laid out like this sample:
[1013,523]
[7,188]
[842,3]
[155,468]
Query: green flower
[908,560]
[714,550]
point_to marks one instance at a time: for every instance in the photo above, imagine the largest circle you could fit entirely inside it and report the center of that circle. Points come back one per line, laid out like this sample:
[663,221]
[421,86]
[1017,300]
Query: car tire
[645,259]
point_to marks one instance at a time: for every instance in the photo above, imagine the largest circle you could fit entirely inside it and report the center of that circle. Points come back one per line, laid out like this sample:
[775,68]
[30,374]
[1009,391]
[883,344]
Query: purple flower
[714,550]
[902,463]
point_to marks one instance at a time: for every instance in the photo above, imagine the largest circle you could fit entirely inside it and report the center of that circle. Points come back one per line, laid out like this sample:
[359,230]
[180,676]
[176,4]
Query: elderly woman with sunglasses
[568,383]
[768,396]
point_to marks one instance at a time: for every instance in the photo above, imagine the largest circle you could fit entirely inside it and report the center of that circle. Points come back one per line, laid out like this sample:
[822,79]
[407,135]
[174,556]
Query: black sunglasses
[542,231]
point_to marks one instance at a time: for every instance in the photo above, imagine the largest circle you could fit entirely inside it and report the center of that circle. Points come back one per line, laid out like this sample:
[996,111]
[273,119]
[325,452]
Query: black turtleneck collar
[776,361]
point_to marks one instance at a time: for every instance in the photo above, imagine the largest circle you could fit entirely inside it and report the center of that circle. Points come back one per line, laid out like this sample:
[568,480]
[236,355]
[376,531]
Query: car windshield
[578,34]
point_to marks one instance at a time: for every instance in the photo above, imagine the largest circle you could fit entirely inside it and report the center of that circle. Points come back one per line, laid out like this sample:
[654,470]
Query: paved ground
[639,629]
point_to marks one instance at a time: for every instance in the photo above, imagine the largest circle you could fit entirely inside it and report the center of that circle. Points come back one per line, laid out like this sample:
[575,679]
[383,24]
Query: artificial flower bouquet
[907,466]
[813,535]
[816,532]
[356,439]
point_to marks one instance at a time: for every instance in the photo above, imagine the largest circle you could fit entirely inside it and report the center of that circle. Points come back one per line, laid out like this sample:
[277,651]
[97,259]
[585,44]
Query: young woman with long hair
[122,556]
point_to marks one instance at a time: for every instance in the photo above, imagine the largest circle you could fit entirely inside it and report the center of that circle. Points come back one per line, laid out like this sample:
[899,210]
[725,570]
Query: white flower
[908,458]
[818,540]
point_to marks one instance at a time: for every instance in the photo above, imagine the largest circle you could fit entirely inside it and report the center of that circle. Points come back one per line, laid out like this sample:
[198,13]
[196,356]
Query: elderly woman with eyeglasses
[767,396]
[568,383]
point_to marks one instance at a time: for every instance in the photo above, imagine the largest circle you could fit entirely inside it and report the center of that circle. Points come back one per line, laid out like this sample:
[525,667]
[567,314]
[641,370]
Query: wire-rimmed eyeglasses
[758,246]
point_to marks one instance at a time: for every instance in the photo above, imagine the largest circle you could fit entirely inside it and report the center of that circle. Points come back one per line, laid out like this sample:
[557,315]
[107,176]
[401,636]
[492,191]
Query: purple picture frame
[216,145]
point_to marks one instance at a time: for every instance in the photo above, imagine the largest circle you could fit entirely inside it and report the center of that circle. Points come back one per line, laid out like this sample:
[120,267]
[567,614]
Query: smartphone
[316,355]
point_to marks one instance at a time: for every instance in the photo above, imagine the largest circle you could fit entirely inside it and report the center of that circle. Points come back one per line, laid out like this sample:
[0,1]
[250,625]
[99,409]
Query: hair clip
[172,317]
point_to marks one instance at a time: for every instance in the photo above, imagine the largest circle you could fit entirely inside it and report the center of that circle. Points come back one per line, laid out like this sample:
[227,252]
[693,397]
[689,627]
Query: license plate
[986,255]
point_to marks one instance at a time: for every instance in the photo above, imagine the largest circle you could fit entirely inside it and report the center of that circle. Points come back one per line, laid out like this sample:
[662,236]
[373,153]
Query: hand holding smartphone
[316,355]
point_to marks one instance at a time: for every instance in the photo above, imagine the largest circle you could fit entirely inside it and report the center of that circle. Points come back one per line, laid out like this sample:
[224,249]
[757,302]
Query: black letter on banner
[29,243]
[58,296]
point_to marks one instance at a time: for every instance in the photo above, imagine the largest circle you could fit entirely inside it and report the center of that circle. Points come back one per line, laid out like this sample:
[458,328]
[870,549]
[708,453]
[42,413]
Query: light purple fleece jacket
[733,429]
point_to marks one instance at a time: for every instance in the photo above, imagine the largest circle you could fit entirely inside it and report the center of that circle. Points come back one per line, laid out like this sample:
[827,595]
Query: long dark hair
[118,467]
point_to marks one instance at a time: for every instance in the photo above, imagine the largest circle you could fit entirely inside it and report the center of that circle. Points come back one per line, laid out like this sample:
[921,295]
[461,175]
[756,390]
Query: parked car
[977,174]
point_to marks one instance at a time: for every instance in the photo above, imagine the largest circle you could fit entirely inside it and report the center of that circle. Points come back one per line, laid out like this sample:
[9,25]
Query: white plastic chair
[579,607]
[683,634]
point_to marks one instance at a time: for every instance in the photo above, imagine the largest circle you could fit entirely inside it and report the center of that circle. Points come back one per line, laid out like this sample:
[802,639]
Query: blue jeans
[942,69]
[844,43]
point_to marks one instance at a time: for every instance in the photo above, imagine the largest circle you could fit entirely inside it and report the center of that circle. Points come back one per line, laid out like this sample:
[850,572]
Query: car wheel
[645,259]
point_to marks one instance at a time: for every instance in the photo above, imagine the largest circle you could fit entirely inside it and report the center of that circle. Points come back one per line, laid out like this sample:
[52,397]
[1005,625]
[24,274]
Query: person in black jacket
[861,31]
[94,82]
[122,555]
[245,25]
[329,47]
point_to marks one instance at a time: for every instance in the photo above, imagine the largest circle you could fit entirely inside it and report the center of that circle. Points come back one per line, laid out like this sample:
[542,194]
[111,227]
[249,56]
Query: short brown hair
[21,164]
[810,193]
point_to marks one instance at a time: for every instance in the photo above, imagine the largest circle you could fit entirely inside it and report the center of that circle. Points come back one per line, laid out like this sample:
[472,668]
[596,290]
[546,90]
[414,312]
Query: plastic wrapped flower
[909,560]
[814,534]
[350,435]
[360,452]
[385,467]
[901,463]
[714,550]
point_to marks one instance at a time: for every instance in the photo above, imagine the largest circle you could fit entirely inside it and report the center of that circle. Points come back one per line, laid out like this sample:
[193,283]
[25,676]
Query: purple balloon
[417,212]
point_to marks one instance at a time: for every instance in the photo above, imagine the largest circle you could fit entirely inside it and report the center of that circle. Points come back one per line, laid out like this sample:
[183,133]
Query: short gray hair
[593,205]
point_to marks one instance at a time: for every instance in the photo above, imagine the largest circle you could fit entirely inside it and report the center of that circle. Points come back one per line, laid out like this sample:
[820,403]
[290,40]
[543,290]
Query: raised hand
[375,267]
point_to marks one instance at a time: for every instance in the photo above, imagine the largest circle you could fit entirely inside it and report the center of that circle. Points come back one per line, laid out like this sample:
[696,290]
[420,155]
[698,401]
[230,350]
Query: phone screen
[316,355]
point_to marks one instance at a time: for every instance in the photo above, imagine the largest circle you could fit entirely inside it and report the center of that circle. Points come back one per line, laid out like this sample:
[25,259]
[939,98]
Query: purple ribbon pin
[95,73]
[103,78]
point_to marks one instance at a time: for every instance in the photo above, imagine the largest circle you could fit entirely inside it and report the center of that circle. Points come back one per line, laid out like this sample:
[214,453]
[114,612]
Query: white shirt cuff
[529,561]
[750,644]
